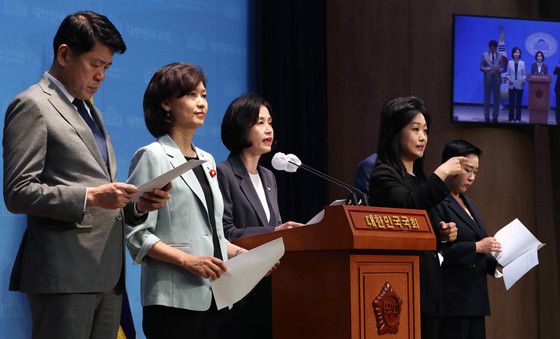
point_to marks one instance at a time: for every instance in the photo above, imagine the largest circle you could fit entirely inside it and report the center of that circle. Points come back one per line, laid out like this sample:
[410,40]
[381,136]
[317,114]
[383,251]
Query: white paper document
[245,271]
[163,179]
[519,251]
[319,216]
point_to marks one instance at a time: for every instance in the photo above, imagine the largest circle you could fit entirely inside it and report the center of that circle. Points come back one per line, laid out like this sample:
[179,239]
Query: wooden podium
[353,275]
[539,98]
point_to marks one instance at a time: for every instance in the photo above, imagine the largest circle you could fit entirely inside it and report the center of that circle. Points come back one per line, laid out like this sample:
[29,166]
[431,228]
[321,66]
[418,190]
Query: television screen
[505,70]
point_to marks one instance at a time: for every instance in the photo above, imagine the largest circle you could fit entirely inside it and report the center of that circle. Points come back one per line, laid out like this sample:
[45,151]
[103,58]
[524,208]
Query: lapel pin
[268,188]
[212,172]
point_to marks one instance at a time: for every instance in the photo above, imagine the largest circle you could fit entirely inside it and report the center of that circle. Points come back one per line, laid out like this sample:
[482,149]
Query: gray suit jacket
[489,68]
[243,211]
[50,157]
[182,223]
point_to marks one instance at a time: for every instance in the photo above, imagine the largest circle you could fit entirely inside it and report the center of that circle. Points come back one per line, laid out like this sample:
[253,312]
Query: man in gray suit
[60,170]
[491,66]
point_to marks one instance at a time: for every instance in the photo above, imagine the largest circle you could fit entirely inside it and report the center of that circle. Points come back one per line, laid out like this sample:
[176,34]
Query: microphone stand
[352,190]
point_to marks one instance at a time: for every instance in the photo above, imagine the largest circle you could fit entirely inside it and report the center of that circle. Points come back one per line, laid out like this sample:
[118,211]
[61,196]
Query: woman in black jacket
[467,260]
[398,181]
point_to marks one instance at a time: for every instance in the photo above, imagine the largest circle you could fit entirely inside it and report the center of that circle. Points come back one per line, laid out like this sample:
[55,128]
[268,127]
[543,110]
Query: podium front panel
[539,98]
[385,296]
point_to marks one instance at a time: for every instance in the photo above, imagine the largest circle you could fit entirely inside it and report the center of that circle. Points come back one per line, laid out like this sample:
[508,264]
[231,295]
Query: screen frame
[452,72]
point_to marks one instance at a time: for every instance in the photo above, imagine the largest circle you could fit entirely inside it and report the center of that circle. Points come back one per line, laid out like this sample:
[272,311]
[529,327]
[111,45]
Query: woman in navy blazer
[250,200]
[467,260]
[539,67]
[182,246]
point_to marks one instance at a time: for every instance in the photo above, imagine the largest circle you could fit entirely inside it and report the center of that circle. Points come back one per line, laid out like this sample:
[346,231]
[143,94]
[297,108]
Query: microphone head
[292,163]
[279,161]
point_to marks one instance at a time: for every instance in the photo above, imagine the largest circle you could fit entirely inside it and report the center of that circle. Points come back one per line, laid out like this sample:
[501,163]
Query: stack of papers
[519,251]
[163,179]
[245,271]
[319,216]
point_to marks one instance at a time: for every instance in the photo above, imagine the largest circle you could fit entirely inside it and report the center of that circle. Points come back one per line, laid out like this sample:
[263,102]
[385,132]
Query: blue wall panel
[214,34]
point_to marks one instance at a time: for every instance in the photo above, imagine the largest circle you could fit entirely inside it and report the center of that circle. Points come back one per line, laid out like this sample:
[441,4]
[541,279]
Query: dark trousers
[463,328]
[75,315]
[492,86]
[162,322]
[515,96]
[429,326]
[251,318]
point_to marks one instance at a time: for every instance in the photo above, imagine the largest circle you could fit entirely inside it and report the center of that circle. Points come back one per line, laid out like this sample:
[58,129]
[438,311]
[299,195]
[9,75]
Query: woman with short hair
[250,200]
[516,75]
[182,246]
[467,260]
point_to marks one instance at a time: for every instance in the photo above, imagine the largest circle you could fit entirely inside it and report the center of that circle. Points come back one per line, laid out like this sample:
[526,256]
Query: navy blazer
[243,211]
[535,69]
[463,270]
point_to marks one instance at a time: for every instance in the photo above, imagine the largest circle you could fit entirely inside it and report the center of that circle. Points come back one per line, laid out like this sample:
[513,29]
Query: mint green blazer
[182,223]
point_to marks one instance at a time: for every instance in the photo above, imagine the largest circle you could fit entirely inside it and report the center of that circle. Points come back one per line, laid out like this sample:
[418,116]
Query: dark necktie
[99,138]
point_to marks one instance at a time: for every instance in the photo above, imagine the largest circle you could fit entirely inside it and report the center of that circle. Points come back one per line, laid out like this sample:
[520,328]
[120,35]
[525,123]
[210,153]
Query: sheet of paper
[245,271]
[163,179]
[515,239]
[519,267]
[319,216]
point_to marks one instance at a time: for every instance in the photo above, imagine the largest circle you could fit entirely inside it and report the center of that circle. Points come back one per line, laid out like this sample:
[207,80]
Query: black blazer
[464,271]
[243,211]
[391,189]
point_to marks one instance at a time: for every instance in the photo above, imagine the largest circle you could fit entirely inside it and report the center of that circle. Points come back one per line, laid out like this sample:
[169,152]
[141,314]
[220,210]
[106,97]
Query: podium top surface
[356,228]
[539,78]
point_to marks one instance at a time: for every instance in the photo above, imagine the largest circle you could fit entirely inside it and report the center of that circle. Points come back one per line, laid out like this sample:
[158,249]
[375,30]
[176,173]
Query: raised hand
[450,168]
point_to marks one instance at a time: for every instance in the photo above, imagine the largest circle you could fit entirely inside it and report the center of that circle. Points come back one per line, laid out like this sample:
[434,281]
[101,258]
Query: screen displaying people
[497,91]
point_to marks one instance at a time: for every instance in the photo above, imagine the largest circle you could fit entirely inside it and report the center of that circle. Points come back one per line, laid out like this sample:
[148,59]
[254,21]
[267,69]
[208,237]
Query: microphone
[279,161]
[290,163]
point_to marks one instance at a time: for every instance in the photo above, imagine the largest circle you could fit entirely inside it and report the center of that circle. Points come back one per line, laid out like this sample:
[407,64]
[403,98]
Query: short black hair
[395,115]
[515,49]
[240,116]
[170,81]
[541,53]
[81,30]
[459,148]
[492,43]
